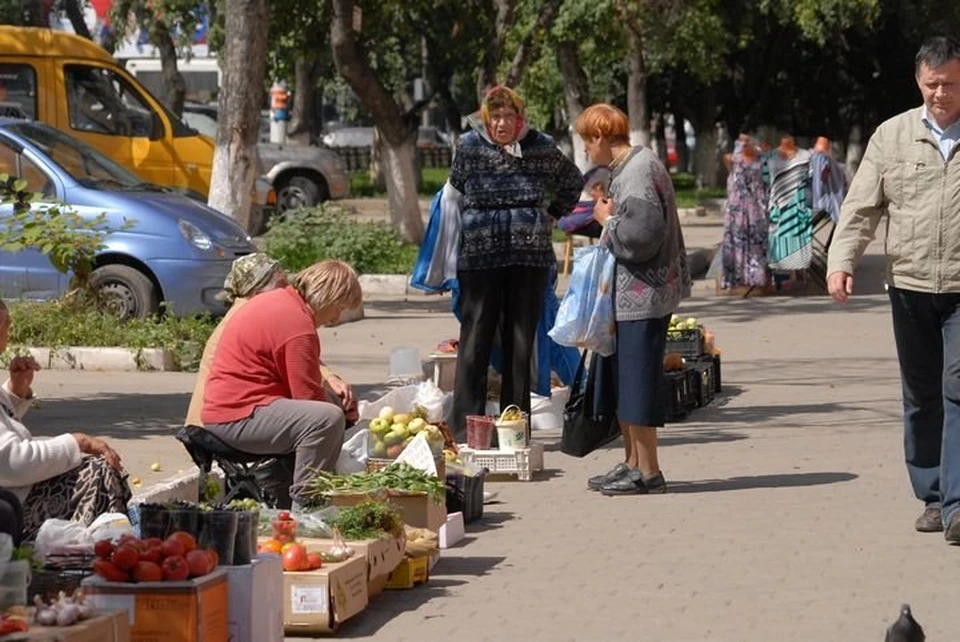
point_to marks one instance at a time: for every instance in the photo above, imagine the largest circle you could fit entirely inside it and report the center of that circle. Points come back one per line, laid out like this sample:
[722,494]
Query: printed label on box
[104,602]
[309,599]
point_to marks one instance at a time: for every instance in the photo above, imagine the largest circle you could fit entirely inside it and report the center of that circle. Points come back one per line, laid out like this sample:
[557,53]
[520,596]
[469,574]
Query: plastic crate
[465,495]
[687,343]
[412,571]
[676,395]
[703,386]
[522,463]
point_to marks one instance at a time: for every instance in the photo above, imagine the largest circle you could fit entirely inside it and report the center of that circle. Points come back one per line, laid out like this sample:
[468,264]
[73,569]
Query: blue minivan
[174,251]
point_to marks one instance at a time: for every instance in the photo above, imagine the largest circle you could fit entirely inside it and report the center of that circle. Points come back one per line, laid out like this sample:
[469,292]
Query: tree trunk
[637,91]
[174,87]
[399,165]
[306,72]
[74,11]
[398,132]
[378,180]
[854,152]
[706,154]
[576,92]
[658,137]
[235,157]
[503,18]
[530,45]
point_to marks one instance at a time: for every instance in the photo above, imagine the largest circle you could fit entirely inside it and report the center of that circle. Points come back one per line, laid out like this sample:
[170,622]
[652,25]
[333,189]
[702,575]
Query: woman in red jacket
[265,394]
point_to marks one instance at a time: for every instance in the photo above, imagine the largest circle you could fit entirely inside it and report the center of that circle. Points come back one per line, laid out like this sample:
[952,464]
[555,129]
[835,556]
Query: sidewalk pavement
[790,516]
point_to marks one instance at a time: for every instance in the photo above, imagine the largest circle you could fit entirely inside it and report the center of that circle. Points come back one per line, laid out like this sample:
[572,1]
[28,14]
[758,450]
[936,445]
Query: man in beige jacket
[910,173]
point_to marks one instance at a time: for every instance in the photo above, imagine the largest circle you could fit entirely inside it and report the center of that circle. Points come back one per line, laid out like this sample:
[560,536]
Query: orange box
[191,611]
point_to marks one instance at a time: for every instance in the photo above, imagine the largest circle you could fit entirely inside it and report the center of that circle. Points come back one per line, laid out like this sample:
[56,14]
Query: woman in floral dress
[745,224]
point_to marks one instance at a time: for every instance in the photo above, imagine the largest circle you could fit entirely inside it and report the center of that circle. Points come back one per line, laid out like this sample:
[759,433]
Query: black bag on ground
[590,418]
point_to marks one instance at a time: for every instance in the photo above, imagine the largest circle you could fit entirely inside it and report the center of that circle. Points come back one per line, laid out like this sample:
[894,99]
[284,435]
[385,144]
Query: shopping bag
[586,317]
[590,418]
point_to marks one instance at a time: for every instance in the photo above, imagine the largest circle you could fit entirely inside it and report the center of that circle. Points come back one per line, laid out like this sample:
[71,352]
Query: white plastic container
[405,365]
[14,583]
[512,435]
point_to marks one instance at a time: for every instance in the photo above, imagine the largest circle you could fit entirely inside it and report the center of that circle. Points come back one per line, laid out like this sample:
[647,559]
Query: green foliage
[369,520]
[177,19]
[61,324]
[69,240]
[302,237]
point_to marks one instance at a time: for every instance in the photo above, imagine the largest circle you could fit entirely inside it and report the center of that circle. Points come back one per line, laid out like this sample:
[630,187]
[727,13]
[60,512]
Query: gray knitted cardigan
[645,237]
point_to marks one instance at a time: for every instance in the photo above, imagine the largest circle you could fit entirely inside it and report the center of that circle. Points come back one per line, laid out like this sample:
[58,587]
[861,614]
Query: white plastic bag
[60,536]
[353,454]
[111,526]
[403,399]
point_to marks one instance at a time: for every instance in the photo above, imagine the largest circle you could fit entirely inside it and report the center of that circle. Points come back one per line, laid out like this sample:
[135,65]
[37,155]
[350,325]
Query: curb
[185,487]
[389,284]
[88,358]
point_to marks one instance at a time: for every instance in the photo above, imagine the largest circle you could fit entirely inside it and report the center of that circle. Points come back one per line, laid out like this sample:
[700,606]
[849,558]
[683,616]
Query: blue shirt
[946,138]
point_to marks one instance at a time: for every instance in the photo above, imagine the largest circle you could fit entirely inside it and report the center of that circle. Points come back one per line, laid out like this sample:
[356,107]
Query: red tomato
[199,563]
[125,557]
[153,554]
[109,572]
[186,540]
[147,572]
[175,569]
[104,549]
[173,548]
[214,557]
[314,561]
[152,542]
[295,558]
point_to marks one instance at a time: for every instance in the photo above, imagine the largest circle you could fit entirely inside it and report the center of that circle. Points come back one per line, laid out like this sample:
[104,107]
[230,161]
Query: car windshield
[83,163]
[201,122]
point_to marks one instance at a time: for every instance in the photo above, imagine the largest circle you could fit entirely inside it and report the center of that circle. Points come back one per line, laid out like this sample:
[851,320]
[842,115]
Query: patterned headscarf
[249,274]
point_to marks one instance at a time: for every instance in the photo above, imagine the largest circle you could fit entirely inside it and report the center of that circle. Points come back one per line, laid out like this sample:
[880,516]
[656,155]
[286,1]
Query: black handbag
[590,417]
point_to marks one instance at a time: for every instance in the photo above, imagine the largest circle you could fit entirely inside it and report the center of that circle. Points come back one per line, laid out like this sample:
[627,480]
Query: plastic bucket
[154,521]
[480,431]
[245,546]
[186,520]
[218,530]
[512,434]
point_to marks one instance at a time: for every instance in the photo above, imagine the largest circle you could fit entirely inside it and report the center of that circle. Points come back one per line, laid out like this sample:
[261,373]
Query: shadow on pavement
[786,480]
[385,608]
[491,520]
[472,566]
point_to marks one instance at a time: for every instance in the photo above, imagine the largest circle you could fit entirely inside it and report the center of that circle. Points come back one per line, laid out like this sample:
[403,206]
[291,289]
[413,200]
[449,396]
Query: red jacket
[269,350]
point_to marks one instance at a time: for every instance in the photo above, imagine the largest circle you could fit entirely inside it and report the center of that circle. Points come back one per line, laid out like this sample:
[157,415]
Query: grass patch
[60,324]
[302,237]
[433,179]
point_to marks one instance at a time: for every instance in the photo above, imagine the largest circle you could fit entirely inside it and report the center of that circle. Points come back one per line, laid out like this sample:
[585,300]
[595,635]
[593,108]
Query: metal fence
[358,158]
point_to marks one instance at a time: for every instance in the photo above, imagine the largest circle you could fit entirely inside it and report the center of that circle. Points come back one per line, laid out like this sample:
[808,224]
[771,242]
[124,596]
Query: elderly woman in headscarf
[72,476]
[513,180]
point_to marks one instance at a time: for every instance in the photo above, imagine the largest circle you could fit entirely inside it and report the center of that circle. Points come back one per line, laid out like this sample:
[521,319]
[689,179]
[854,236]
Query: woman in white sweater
[73,476]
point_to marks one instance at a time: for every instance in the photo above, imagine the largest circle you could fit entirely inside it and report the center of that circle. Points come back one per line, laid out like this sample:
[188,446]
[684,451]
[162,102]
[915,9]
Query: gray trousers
[312,430]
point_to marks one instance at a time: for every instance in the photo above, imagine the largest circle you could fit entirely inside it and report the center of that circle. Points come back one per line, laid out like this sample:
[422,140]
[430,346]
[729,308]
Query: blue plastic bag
[586,317]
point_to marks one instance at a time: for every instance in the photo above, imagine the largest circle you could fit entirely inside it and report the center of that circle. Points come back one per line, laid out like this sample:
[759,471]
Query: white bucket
[511,435]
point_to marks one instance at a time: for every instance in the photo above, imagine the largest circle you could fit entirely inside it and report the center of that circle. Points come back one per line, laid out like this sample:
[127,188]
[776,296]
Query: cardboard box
[453,531]
[382,556]
[107,627]
[417,508]
[255,602]
[191,611]
[319,601]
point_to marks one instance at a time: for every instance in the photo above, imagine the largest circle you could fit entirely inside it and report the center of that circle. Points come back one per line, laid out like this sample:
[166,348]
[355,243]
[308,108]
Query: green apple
[392,438]
[379,449]
[386,413]
[379,426]
[416,425]
[400,429]
[401,418]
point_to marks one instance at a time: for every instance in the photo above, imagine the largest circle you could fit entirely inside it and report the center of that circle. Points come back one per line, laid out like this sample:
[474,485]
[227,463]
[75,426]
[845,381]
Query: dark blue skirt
[639,358]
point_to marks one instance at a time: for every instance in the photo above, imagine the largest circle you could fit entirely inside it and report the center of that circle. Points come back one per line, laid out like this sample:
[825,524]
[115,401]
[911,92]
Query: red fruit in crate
[175,569]
[153,554]
[214,558]
[314,561]
[109,572]
[152,542]
[125,557]
[173,548]
[186,540]
[147,572]
[104,549]
[199,563]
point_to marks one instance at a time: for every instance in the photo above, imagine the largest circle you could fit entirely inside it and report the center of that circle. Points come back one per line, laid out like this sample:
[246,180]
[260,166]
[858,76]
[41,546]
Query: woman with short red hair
[642,229]
[512,180]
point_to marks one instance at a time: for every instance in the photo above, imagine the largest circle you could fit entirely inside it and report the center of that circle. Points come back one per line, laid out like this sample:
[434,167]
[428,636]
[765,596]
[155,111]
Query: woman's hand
[98,448]
[22,370]
[344,391]
[602,210]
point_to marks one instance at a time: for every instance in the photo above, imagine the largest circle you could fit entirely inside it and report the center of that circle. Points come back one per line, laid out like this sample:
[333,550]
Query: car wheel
[125,292]
[299,191]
